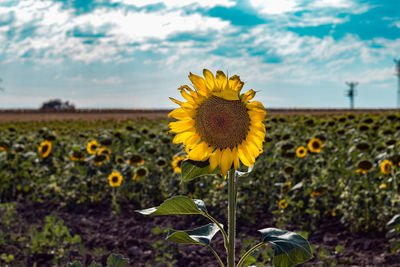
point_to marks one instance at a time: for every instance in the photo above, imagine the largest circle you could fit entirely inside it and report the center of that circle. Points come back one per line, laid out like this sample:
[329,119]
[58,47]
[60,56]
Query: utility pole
[351,92]
[397,62]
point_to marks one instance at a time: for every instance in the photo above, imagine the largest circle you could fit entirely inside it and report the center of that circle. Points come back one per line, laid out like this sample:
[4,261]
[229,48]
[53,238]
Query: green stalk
[216,255]
[231,218]
[220,228]
[240,263]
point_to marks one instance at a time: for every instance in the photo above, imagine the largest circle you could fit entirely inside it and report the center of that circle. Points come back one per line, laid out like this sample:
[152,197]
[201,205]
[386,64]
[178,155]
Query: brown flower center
[114,179]
[45,148]
[316,145]
[222,123]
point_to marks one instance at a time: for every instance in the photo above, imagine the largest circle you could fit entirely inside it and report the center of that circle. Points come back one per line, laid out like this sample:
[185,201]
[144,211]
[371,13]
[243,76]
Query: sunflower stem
[231,217]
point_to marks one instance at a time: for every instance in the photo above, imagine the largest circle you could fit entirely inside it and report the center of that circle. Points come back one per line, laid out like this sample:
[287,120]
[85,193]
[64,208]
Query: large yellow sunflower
[315,145]
[218,123]
[44,149]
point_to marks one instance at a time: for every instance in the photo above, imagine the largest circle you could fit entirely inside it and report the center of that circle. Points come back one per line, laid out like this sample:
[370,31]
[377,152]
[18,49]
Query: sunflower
[115,179]
[383,186]
[92,147]
[104,151]
[386,167]
[217,123]
[77,156]
[44,149]
[283,204]
[364,166]
[161,162]
[140,173]
[4,146]
[177,162]
[135,160]
[301,151]
[315,145]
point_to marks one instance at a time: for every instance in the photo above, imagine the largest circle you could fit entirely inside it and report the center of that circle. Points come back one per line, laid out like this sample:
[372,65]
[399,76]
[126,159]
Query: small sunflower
[99,159]
[383,186]
[386,166]
[217,123]
[301,151]
[44,149]
[140,173]
[161,162]
[283,204]
[104,151]
[4,147]
[77,156]
[177,162]
[135,160]
[92,147]
[364,166]
[315,145]
[115,179]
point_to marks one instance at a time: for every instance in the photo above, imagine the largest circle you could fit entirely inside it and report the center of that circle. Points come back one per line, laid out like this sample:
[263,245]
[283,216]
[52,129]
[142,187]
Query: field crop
[343,168]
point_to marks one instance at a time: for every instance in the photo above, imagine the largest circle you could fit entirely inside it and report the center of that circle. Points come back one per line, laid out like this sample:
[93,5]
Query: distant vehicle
[57,104]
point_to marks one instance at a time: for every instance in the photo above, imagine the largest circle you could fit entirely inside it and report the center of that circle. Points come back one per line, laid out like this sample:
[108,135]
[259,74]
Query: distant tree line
[57,104]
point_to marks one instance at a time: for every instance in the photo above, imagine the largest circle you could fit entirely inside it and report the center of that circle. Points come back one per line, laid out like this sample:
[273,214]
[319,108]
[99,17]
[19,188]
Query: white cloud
[178,3]
[333,4]
[275,7]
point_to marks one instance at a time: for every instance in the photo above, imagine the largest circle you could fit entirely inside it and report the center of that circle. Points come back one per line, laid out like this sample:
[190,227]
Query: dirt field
[125,114]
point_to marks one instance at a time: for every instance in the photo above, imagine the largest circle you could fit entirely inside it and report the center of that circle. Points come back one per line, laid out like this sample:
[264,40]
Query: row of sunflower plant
[310,168]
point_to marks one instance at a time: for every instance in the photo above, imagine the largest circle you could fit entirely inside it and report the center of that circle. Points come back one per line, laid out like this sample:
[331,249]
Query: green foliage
[114,260]
[394,233]
[289,248]
[53,239]
[198,236]
[178,205]
[194,169]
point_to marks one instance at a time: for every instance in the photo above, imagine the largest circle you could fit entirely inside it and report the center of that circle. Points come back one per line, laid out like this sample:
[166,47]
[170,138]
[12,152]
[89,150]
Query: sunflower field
[313,169]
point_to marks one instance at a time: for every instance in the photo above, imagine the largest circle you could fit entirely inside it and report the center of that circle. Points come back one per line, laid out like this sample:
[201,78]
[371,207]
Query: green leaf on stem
[117,260]
[178,205]
[289,248]
[241,174]
[191,169]
[394,221]
[199,236]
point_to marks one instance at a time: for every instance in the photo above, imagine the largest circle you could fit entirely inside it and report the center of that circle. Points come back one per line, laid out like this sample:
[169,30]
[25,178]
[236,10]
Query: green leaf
[198,236]
[74,264]
[117,260]
[192,169]
[394,221]
[178,205]
[289,248]
[94,264]
[241,174]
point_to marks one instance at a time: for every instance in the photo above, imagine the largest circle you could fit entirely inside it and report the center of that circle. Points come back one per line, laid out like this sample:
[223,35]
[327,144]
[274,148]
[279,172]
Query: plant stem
[240,263]
[216,255]
[231,218]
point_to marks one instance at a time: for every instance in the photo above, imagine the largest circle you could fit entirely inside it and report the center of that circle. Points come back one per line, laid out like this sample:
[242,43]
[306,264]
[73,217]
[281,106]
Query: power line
[351,92]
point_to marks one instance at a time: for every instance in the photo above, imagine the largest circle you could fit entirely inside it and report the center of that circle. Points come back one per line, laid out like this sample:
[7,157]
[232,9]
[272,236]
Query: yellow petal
[181,114]
[226,161]
[215,159]
[176,101]
[244,156]
[192,141]
[221,80]
[181,137]
[236,162]
[210,81]
[256,106]
[181,126]
[248,95]
[227,94]
[256,116]
[201,152]
[235,83]
[186,96]
[199,84]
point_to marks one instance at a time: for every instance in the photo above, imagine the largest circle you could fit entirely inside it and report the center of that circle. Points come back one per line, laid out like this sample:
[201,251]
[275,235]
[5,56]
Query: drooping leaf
[241,174]
[191,169]
[394,221]
[289,248]
[178,205]
[199,236]
[117,260]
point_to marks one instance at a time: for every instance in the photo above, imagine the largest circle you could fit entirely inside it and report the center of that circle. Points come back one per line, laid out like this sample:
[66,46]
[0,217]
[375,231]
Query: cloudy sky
[135,53]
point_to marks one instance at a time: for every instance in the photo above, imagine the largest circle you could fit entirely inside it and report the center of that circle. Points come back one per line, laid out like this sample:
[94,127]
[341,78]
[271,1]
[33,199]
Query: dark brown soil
[130,234]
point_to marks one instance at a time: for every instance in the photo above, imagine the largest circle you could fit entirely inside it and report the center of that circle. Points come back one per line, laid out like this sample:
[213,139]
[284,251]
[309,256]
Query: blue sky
[135,53]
